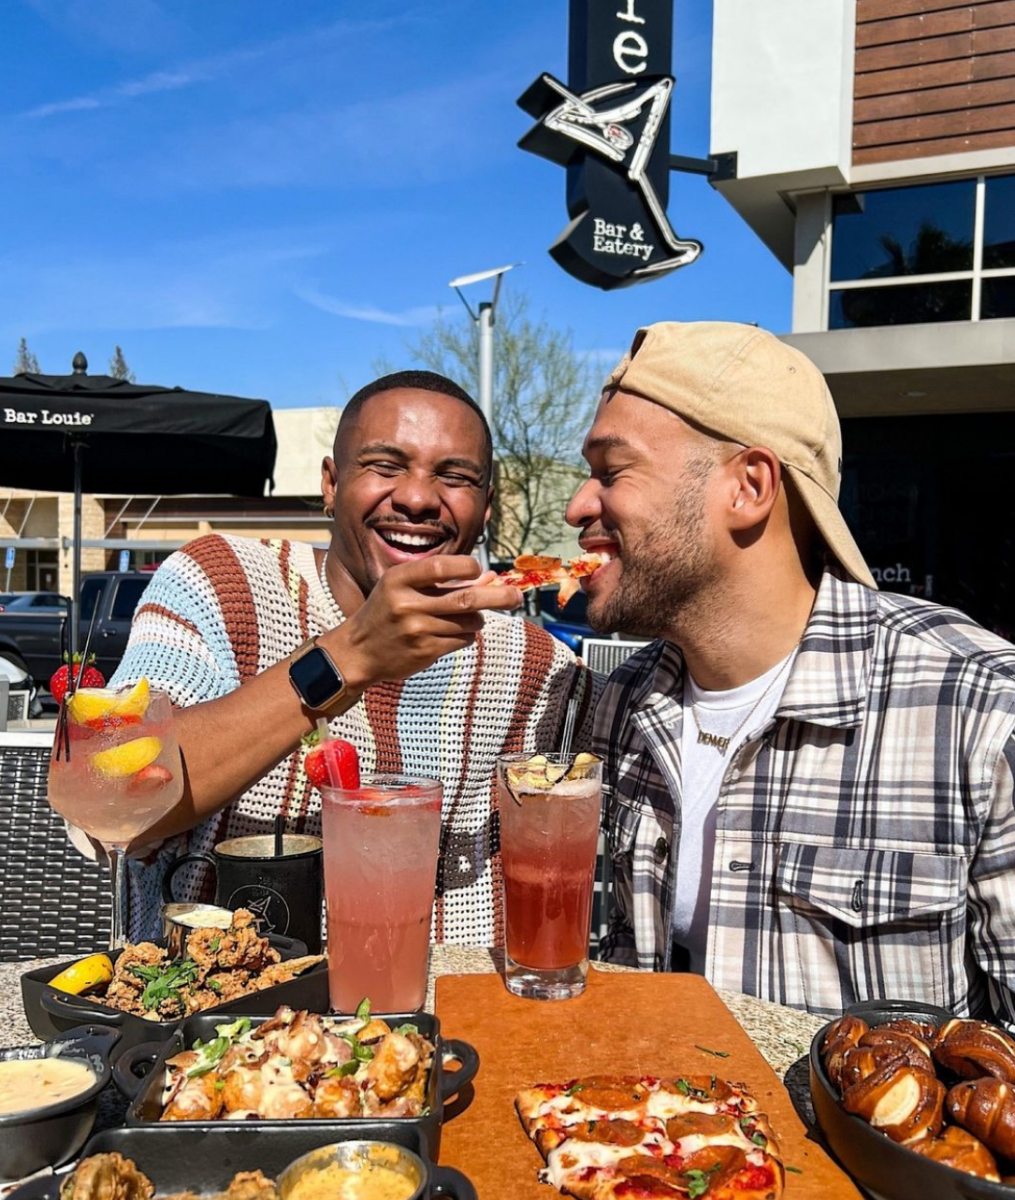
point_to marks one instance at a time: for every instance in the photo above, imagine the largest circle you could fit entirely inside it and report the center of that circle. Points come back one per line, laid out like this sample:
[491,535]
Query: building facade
[875,157]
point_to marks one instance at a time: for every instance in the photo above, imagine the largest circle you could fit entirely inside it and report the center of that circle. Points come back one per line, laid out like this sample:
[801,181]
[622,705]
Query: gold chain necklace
[722,744]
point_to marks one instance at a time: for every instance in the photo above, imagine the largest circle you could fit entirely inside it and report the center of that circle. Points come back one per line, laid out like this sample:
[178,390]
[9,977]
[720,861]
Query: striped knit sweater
[223,609]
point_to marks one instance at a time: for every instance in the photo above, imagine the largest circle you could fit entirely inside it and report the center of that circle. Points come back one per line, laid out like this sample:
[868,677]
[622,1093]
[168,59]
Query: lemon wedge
[82,976]
[99,707]
[128,758]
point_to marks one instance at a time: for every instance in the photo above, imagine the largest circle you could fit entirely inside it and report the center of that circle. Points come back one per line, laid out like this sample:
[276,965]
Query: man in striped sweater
[435,679]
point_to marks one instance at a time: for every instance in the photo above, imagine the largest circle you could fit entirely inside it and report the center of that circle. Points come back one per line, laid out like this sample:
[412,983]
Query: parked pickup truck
[31,640]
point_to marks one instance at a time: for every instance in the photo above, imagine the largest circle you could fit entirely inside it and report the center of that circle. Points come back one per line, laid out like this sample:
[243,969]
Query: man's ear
[755,477]
[329,482]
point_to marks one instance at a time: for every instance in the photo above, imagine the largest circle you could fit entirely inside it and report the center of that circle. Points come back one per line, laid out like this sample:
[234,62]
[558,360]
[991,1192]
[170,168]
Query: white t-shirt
[726,714]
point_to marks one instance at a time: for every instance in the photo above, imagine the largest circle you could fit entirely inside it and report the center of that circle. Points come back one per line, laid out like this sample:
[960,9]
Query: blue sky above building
[265,198]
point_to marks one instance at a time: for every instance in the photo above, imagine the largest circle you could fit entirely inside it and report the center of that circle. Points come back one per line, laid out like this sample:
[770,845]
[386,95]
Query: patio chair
[604,655]
[52,900]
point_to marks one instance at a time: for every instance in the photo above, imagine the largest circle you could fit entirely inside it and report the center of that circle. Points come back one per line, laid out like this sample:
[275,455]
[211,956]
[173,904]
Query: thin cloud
[367,312]
[207,69]
[232,282]
[158,81]
[62,106]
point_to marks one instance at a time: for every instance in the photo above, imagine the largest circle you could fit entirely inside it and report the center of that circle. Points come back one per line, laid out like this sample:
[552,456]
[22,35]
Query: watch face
[316,678]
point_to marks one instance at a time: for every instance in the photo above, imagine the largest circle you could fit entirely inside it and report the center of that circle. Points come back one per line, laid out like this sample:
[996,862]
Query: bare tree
[26,363]
[118,368]
[544,393]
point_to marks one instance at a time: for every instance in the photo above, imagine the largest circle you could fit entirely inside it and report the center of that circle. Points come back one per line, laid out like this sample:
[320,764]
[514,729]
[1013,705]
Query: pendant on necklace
[721,744]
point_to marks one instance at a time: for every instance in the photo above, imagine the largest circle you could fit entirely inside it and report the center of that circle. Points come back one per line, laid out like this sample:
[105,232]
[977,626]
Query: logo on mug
[269,909]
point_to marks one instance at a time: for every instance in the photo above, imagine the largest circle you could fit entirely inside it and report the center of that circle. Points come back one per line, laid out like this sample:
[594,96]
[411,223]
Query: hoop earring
[481,540]
[329,512]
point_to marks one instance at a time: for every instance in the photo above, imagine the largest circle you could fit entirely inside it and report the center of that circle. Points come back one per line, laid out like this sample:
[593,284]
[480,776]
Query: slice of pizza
[591,1098]
[581,1158]
[606,1137]
[541,570]
[699,1093]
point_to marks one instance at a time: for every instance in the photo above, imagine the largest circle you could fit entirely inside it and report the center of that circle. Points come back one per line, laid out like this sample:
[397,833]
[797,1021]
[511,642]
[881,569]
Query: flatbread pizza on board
[627,1137]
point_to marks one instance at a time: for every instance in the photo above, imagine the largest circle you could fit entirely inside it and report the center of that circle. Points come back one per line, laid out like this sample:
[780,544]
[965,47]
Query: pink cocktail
[380,868]
[115,770]
[549,830]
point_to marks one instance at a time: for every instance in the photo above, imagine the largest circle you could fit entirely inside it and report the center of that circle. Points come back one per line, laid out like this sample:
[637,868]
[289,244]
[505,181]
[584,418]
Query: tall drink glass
[549,829]
[380,869]
[115,771]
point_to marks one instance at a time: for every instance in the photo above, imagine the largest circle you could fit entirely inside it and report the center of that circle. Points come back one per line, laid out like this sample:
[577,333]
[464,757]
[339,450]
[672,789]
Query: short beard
[663,574]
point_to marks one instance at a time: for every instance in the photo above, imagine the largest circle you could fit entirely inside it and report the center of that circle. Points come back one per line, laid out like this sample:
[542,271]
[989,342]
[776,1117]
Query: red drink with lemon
[549,830]
[381,841]
[115,769]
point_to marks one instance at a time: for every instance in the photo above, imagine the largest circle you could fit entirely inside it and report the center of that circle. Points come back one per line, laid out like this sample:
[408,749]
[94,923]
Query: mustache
[435,527]
[591,532]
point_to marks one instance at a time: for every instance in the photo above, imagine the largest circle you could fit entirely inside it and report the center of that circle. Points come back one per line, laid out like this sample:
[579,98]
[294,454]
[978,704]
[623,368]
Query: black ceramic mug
[284,892]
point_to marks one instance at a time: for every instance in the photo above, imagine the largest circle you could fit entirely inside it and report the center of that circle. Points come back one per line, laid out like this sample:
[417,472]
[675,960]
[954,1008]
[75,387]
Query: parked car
[33,602]
[19,684]
[569,624]
[31,640]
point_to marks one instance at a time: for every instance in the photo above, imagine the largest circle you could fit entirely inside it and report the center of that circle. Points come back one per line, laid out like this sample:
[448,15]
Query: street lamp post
[484,320]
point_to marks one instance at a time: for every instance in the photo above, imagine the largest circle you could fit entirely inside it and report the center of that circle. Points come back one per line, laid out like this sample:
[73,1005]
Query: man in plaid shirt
[810,783]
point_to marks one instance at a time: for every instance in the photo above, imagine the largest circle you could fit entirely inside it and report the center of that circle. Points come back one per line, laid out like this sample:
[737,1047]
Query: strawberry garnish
[60,680]
[332,763]
[113,721]
[150,779]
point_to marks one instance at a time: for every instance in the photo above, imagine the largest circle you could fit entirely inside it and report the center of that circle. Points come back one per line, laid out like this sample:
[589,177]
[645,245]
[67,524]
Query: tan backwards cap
[742,383]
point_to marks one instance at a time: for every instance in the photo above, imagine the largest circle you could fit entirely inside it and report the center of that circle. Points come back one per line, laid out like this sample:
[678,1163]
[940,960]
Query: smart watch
[315,678]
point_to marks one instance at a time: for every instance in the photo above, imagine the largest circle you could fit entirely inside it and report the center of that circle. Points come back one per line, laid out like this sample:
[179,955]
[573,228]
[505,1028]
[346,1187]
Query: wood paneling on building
[933,77]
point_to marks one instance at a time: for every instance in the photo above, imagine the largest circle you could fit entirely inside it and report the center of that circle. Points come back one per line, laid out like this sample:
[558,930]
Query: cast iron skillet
[50,1012]
[146,1093]
[177,1158]
[886,1168]
[48,1136]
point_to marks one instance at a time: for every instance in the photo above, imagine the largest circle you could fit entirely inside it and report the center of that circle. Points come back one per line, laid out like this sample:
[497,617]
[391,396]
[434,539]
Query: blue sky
[263,198]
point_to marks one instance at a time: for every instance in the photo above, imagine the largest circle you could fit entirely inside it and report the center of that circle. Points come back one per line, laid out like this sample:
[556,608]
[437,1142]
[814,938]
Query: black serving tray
[887,1169]
[179,1158]
[51,1012]
[146,1089]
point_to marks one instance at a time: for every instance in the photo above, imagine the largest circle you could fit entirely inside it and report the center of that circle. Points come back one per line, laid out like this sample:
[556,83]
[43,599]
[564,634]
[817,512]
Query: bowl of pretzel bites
[917,1103]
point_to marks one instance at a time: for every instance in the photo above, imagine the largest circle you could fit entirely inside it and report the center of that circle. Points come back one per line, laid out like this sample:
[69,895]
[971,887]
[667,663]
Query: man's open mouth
[608,551]
[416,542]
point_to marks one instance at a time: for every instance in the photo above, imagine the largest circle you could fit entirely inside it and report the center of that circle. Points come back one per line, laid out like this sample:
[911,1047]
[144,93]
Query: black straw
[76,679]
[279,834]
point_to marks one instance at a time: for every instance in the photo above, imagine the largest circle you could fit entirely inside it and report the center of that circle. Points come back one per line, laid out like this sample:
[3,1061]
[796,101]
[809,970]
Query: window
[42,570]
[128,593]
[922,254]
[91,589]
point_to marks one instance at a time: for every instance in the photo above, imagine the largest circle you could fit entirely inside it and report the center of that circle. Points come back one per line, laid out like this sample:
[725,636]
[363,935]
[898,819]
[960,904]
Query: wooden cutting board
[624,1023]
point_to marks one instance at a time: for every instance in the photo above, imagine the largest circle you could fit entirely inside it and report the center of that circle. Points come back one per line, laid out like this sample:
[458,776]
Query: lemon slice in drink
[99,707]
[82,976]
[127,759]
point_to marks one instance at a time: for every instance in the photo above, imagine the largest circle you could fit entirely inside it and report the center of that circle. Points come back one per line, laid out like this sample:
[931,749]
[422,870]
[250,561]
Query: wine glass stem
[118,867]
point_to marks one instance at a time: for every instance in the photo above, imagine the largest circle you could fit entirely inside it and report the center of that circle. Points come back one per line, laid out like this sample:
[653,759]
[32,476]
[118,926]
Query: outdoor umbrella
[63,432]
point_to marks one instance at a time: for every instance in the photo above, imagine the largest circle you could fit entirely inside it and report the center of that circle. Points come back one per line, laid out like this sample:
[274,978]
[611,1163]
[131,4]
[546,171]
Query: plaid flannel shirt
[865,835]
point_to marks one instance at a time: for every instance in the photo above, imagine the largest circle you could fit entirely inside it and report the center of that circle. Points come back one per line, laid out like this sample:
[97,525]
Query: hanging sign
[610,128]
